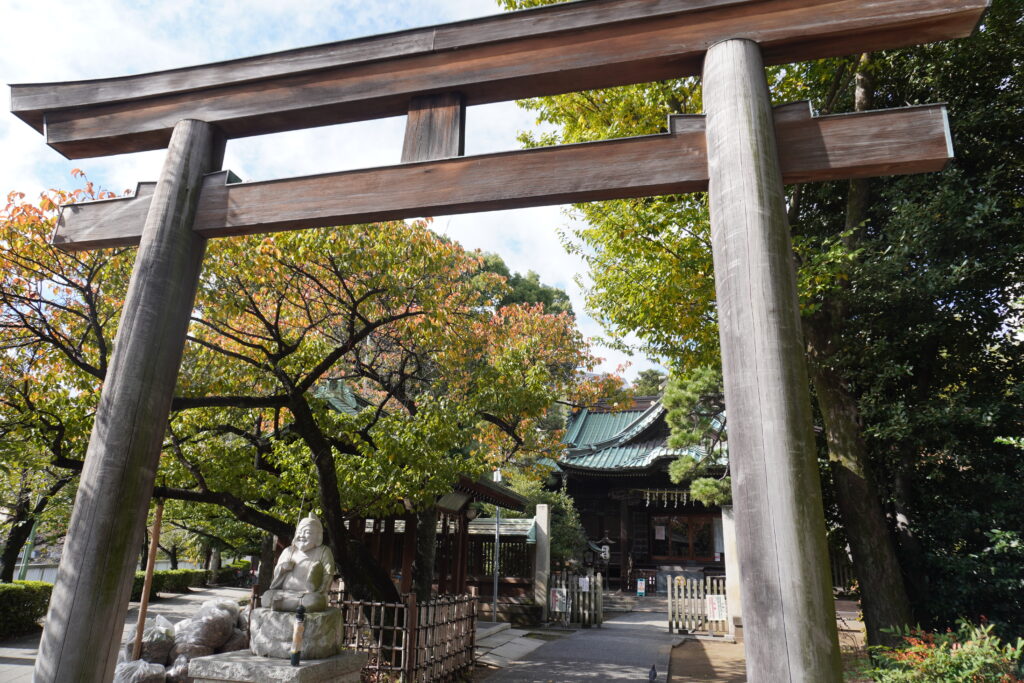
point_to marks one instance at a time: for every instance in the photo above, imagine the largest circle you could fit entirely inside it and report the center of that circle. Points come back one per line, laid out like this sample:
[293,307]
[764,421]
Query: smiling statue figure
[303,573]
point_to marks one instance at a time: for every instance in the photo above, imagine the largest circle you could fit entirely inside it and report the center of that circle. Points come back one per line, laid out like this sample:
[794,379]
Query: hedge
[169,581]
[22,605]
[234,574]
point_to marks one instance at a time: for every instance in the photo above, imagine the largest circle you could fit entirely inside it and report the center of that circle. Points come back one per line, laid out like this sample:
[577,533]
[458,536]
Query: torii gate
[432,74]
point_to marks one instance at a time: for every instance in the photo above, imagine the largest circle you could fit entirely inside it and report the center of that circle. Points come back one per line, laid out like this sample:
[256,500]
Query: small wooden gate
[576,598]
[697,605]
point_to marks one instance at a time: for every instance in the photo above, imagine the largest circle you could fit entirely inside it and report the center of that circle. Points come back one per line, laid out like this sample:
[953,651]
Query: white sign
[641,588]
[584,584]
[715,605]
[659,533]
[559,601]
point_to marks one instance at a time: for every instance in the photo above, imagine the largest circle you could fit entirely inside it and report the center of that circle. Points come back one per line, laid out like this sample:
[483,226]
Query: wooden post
[90,596]
[147,584]
[461,566]
[542,559]
[408,553]
[788,611]
[387,554]
[412,620]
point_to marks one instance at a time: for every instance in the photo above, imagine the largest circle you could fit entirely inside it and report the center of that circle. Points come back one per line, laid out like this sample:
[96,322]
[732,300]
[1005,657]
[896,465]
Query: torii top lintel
[548,50]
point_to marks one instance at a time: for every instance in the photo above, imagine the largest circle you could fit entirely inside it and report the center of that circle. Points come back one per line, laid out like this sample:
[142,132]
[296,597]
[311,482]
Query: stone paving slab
[516,649]
[499,639]
[625,649]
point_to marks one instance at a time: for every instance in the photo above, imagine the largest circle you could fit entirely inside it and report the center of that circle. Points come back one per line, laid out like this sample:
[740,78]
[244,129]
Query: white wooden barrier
[697,605]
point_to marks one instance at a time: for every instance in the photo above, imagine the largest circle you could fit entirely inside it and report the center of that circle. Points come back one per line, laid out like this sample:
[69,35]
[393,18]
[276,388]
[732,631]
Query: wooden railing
[697,605]
[843,578]
[515,558]
[576,598]
[416,642]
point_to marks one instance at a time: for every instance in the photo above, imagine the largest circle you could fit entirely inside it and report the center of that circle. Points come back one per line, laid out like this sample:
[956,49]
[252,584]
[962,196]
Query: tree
[696,418]
[649,382]
[568,539]
[923,348]
[372,365]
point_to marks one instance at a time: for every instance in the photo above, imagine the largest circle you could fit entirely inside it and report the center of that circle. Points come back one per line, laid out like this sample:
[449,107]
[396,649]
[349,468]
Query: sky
[68,40]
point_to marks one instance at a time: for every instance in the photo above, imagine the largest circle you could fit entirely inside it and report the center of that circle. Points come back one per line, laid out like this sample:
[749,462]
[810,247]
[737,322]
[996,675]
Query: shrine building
[616,469]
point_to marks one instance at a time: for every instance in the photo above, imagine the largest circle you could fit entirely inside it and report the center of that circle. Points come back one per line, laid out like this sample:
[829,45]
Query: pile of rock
[218,626]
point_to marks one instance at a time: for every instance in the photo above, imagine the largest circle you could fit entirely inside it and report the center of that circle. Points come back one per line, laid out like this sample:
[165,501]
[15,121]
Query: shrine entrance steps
[617,602]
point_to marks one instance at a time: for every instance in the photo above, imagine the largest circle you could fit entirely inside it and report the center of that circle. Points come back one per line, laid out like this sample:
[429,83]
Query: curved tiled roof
[623,440]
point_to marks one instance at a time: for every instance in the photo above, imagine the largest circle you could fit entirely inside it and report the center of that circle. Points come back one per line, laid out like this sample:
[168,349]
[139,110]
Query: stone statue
[303,573]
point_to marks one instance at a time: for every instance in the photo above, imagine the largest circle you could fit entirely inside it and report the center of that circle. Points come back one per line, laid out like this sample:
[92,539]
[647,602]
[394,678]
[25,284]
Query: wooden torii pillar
[744,151]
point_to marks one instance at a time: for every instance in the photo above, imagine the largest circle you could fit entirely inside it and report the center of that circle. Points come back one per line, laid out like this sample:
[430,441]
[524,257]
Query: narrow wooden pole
[86,614]
[147,584]
[788,611]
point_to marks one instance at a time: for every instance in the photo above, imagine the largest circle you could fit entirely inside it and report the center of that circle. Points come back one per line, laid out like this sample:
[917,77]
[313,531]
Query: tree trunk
[364,578]
[883,595]
[266,570]
[145,551]
[24,518]
[875,564]
[426,547]
[173,555]
[21,527]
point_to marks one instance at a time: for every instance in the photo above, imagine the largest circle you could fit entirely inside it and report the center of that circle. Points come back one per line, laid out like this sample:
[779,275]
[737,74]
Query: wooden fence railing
[842,571]
[515,557]
[416,642]
[697,605]
[576,598]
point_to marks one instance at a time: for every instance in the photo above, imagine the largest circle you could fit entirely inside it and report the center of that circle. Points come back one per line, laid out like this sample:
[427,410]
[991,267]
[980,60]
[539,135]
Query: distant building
[616,469]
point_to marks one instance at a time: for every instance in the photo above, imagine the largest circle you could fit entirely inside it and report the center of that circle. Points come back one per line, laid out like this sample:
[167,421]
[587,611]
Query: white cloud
[65,40]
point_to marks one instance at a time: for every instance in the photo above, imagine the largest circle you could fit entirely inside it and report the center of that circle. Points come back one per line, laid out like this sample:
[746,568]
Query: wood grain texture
[577,46]
[435,128]
[911,140]
[90,596]
[788,612]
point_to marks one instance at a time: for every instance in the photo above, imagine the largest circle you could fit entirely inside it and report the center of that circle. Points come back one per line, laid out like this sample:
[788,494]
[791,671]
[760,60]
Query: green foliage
[170,581]
[234,574]
[568,540]
[649,382]
[712,491]
[971,653]
[917,299]
[695,404]
[22,605]
[525,289]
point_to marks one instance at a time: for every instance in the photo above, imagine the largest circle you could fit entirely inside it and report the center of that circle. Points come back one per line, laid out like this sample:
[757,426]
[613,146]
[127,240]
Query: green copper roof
[623,440]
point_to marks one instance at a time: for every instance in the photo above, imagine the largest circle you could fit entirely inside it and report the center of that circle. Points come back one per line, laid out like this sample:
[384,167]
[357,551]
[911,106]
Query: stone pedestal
[236,667]
[271,634]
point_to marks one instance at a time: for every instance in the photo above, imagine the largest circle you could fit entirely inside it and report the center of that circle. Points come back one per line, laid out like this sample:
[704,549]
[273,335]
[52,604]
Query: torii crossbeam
[741,152]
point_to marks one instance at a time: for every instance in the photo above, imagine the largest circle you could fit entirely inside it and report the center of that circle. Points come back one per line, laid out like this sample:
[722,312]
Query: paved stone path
[18,657]
[624,649]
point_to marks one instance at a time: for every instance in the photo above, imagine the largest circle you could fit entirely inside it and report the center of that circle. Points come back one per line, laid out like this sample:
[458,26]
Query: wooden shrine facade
[741,151]
[392,541]
[616,470]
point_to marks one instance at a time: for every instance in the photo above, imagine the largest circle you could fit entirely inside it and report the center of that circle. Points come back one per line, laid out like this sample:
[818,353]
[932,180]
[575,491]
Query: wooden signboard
[742,153]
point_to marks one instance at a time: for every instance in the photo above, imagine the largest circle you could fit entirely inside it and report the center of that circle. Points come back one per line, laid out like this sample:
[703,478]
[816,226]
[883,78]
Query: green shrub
[22,605]
[169,581]
[234,574]
[971,653]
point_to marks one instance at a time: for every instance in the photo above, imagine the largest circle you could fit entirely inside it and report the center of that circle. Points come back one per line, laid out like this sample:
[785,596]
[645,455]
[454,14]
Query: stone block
[271,633]
[235,667]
